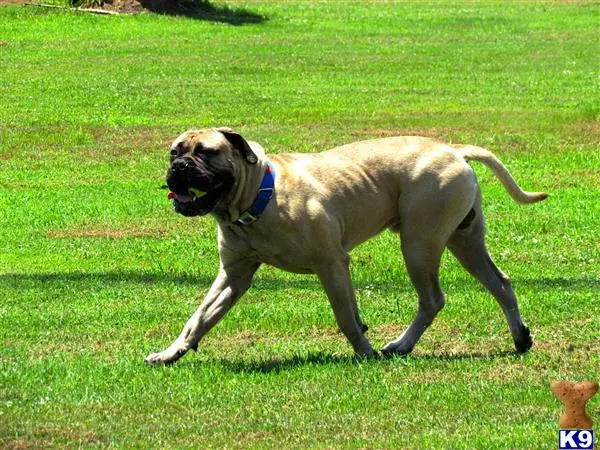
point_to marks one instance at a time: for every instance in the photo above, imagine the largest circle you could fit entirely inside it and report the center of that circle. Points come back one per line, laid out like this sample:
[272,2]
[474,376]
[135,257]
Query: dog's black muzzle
[197,188]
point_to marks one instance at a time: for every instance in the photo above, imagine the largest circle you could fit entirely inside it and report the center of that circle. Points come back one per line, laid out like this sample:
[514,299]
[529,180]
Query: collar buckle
[246,219]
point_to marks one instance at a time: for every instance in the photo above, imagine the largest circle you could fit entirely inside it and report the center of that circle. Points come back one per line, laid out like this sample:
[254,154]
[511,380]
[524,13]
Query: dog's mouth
[196,202]
[194,194]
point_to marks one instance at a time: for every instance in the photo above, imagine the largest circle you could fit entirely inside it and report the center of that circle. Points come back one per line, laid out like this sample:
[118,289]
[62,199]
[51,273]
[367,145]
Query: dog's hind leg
[468,245]
[422,257]
[429,212]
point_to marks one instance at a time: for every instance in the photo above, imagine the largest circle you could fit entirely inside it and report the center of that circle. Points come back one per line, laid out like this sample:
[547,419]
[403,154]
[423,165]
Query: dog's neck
[245,189]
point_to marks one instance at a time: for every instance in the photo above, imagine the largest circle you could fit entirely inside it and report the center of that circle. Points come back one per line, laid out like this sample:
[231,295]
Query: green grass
[96,271]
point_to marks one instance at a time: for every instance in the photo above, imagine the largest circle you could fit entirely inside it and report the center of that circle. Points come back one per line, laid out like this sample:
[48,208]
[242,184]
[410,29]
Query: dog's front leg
[233,280]
[336,280]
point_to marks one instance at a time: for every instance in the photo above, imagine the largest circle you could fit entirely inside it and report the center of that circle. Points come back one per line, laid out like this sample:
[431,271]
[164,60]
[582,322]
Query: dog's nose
[180,165]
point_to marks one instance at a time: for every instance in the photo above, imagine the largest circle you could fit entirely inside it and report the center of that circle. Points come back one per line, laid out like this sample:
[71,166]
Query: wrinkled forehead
[189,140]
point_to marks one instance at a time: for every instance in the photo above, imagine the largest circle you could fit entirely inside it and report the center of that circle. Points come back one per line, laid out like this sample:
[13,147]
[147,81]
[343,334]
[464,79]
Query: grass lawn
[96,271]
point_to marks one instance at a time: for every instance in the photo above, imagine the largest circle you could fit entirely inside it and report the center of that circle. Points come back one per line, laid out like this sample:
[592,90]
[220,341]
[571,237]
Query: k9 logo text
[575,439]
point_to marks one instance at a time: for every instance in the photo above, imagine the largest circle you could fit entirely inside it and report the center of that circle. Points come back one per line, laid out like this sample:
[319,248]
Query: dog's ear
[240,144]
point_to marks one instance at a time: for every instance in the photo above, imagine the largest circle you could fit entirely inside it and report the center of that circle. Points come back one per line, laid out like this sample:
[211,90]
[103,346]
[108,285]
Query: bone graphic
[574,396]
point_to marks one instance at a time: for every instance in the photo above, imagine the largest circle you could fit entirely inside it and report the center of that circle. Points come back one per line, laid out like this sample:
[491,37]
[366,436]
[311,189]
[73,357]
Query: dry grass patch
[22,443]
[48,437]
[75,347]
[152,227]
[434,133]
[109,234]
[129,141]
[564,179]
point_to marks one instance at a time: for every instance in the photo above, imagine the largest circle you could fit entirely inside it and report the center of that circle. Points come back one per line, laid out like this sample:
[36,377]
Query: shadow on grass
[24,280]
[19,280]
[276,365]
[204,10]
[547,284]
[450,357]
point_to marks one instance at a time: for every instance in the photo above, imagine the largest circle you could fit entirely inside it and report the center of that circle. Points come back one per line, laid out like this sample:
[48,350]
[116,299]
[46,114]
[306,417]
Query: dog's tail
[472,153]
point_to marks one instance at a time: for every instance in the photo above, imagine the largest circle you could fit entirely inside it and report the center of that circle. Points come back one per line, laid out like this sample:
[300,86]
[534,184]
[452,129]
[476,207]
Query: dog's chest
[274,247]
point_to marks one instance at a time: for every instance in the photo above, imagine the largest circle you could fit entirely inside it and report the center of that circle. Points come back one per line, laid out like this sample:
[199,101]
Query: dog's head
[203,167]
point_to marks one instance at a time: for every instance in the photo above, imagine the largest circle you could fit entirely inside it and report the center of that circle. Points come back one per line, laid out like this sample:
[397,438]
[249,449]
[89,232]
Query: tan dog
[325,204]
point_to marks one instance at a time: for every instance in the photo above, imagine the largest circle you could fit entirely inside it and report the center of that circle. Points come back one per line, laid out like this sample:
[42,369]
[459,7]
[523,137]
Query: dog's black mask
[199,180]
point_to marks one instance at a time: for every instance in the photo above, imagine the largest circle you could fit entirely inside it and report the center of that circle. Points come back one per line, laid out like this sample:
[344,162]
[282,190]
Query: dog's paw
[367,352]
[168,356]
[525,341]
[396,348]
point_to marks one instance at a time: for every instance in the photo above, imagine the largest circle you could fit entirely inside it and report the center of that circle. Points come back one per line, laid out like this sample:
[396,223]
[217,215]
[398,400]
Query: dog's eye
[199,150]
[174,152]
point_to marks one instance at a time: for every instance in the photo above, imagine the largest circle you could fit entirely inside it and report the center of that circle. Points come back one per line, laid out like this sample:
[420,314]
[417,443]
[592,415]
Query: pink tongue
[184,198]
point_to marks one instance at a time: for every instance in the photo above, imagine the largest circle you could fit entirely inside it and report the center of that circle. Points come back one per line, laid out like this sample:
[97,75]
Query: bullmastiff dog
[305,212]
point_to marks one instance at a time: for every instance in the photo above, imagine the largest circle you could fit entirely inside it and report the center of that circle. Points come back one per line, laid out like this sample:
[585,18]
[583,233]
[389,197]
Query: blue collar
[265,192]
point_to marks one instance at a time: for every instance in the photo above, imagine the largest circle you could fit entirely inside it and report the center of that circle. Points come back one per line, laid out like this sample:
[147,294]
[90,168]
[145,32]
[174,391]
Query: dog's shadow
[276,365]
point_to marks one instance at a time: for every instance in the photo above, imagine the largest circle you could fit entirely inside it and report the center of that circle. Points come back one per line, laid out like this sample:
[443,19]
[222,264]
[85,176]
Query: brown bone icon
[575,396]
